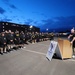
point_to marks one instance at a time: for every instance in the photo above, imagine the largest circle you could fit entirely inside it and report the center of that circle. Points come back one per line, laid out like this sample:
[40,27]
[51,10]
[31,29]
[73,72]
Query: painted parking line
[43,44]
[35,52]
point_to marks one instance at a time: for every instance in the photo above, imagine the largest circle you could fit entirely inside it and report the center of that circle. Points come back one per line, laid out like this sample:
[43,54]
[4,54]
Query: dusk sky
[54,15]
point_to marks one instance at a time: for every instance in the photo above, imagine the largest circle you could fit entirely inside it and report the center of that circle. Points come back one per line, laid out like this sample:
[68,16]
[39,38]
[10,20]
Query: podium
[65,48]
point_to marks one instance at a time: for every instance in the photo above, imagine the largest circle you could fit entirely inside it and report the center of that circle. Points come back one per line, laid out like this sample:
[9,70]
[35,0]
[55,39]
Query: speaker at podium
[65,48]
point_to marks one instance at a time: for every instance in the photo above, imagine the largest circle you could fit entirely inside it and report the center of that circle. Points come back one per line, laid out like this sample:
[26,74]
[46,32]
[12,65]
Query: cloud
[5,19]
[35,22]
[7,2]
[14,17]
[58,23]
[66,21]
[29,21]
[12,6]
[41,14]
[2,11]
[50,21]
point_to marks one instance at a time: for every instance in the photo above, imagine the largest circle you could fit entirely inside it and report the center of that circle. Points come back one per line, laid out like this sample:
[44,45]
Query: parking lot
[32,61]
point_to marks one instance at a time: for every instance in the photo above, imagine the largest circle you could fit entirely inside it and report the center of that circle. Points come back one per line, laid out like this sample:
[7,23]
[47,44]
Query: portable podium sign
[65,48]
[62,48]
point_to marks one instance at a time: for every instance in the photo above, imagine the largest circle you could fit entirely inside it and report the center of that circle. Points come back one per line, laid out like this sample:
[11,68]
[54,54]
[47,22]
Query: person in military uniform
[37,36]
[10,40]
[27,37]
[33,38]
[17,39]
[52,36]
[3,43]
[22,39]
[40,37]
[46,36]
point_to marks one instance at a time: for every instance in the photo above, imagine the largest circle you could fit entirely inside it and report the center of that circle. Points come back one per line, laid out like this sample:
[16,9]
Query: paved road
[32,61]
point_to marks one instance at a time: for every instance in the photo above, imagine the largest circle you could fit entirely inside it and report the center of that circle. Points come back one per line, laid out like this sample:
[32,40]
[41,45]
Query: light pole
[47,29]
[31,28]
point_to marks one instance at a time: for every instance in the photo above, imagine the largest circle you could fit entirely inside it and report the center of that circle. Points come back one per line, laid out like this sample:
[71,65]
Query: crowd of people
[10,41]
[14,40]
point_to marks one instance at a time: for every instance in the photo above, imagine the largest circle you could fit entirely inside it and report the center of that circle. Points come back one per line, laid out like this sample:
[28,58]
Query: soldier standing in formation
[3,43]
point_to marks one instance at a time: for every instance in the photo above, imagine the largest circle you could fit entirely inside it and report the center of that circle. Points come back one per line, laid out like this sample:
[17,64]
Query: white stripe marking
[36,52]
[43,44]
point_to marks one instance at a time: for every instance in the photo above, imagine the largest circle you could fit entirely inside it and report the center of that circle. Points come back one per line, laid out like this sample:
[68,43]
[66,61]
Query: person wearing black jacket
[33,38]
[37,37]
[3,43]
[40,37]
[22,39]
[17,39]
[71,37]
[10,40]
[27,37]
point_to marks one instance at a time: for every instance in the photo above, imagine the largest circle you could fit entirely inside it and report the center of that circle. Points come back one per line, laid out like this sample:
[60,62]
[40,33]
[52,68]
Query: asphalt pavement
[32,61]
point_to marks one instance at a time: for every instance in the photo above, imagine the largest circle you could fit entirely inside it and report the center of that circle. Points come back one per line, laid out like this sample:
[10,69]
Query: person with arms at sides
[10,40]
[3,43]
[22,39]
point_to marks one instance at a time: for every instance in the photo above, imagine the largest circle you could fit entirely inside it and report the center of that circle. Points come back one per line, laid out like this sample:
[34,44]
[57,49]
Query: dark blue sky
[54,15]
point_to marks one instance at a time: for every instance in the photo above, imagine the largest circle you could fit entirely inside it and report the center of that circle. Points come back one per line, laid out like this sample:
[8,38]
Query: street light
[31,26]
[47,29]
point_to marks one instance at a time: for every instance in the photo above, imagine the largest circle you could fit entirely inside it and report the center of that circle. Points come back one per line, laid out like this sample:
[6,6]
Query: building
[13,27]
